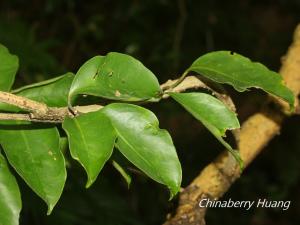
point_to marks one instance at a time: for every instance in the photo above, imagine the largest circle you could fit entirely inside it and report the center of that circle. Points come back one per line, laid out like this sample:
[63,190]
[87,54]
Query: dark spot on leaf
[231,53]
[96,74]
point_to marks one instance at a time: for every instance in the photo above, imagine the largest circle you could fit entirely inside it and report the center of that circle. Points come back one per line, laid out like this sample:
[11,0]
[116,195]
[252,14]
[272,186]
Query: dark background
[56,36]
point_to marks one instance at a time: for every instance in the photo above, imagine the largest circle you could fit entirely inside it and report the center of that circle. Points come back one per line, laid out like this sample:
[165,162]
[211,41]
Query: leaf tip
[292,104]
[89,182]
[50,208]
[236,154]
[173,191]
[128,181]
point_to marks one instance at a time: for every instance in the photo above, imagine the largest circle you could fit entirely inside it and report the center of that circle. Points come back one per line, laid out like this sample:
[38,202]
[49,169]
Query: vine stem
[23,103]
[175,83]
[40,112]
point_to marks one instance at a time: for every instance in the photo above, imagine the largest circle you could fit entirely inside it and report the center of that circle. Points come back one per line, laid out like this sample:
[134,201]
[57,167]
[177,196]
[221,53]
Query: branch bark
[217,177]
[40,112]
[23,103]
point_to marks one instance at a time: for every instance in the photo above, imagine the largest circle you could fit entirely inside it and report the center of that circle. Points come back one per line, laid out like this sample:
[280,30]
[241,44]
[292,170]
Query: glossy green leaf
[144,144]
[63,144]
[214,115]
[8,67]
[91,140]
[53,92]
[10,197]
[116,76]
[33,151]
[238,71]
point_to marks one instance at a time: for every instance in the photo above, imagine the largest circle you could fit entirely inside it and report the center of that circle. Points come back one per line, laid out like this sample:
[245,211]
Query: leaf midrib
[85,145]
[146,161]
[23,135]
[222,73]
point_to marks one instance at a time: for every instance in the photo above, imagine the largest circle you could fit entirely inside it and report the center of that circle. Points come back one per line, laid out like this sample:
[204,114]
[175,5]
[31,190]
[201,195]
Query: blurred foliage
[56,36]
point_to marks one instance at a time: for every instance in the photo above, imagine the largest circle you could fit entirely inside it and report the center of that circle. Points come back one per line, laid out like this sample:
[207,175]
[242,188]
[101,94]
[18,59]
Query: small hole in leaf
[231,53]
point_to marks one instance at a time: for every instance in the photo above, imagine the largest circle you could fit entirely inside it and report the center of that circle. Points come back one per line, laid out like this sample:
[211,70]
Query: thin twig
[40,112]
[53,115]
[190,82]
[15,116]
[23,103]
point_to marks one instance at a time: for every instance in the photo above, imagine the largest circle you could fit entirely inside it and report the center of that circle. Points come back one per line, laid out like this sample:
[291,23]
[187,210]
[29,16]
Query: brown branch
[52,115]
[40,112]
[15,116]
[192,82]
[217,177]
[23,103]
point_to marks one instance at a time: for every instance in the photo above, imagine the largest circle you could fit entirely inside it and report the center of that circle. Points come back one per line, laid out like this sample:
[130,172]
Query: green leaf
[53,92]
[33,151]
[123,172]
[8,68]
[63,144]
[238,71]
[10,197]
[91,140]
[145,145]
[116,76]
[214,115]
